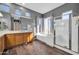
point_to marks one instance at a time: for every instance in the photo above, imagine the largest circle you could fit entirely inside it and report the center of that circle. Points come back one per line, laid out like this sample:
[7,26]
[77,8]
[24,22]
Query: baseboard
[66,50]
[44,43]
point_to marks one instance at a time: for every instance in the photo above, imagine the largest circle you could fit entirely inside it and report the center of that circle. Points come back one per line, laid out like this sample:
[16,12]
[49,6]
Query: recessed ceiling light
[23,3]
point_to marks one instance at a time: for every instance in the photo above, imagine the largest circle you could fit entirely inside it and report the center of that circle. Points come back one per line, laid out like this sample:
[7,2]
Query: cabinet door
[19,39]
[30,36]
[0,47]
[26,37]
[10,40]
[2,43]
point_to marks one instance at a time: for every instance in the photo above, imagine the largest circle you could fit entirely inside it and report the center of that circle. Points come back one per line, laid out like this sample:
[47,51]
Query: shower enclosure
[62,26]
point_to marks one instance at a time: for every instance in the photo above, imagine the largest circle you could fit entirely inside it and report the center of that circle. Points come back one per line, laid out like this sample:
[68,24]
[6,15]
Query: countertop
[10,32]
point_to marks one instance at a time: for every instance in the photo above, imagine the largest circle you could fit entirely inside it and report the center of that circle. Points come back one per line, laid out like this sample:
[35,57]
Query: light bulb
[1,15]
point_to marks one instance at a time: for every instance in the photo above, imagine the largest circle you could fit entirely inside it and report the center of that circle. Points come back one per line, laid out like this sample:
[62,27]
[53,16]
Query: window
[44,26]
[4,8]
[18,12]
[65,15]
[47,25]
[27,14]
[39,25]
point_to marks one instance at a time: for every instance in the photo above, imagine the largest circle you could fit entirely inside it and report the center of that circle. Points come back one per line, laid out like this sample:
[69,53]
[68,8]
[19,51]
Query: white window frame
[47,25]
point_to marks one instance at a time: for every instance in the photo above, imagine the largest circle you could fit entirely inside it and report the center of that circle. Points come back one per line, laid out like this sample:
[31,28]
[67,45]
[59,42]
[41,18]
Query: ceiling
[41,7]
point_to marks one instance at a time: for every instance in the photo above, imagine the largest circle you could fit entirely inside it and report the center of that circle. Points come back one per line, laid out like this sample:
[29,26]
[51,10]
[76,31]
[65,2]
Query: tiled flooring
[35,48]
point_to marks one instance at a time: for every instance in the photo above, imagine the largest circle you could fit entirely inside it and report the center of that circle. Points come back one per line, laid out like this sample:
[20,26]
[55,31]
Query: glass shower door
[75,33]
[61,27]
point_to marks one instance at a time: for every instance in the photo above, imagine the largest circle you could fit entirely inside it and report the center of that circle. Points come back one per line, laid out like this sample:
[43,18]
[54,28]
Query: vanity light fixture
[1,15]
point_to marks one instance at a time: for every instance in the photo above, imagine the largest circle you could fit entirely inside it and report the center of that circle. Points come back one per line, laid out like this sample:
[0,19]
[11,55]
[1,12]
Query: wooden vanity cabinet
[31,37]
[14,39]
[26,37]
[19,38]
[1,44]
[10,40]
[0,47]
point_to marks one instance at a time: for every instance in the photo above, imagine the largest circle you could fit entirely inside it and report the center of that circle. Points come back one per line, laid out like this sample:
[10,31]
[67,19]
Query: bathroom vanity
[14,38]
